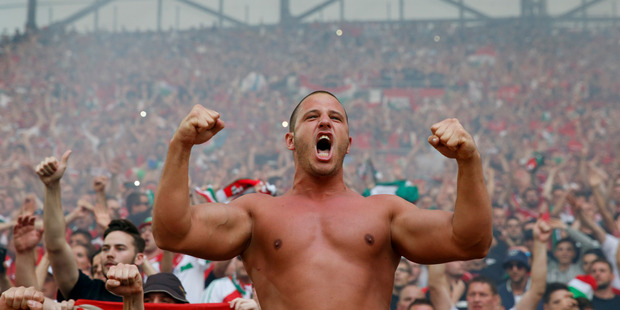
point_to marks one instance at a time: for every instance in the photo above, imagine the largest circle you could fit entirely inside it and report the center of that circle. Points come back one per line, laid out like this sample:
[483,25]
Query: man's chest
[351,226]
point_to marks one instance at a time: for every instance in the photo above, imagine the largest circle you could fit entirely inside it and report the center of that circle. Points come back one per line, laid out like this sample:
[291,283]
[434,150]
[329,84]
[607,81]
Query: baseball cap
[516,256]
[165,283]
[147,221]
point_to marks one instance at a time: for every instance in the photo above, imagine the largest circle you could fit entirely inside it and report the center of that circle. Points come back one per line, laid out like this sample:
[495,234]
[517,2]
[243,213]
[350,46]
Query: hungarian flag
[237,189]
[401,188]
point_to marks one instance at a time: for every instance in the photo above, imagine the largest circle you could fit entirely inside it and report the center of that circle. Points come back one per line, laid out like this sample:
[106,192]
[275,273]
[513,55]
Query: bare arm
[148,269]
[61,258]
[213,231]
[41,270]
[100,210]
[596,182]
[26,238]
[452,236]
[538,275]
[438,287]
[166,261]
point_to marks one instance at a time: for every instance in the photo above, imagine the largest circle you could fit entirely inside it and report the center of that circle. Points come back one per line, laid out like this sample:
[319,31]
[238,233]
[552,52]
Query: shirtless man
[321,245]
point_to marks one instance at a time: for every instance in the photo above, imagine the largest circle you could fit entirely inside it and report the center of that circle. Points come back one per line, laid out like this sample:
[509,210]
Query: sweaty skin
[321,245]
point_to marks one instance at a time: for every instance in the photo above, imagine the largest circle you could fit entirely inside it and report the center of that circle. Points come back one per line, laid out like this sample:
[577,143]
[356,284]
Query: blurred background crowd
[539,102]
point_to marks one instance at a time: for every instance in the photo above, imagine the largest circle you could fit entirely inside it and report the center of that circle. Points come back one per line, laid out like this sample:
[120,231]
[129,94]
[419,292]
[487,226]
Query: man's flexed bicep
[423,236]
[61,258]
[216,231]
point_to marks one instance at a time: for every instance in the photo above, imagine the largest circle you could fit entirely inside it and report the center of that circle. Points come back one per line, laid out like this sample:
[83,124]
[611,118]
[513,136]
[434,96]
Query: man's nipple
[370,240]
[277,244]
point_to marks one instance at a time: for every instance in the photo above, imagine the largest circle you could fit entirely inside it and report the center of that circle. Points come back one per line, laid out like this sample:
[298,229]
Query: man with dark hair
[482,294]
[604,297]
[360,239]
[514,231]
[81,236]
[558,297]
[565,266]
[121,241]
[402,277]
[138,207]
[421,304]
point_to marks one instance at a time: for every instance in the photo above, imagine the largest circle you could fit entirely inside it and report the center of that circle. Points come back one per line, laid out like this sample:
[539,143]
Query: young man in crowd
[604,297]
[121,241]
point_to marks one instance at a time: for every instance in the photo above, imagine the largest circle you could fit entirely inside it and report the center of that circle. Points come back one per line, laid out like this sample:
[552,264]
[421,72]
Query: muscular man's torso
[334,253]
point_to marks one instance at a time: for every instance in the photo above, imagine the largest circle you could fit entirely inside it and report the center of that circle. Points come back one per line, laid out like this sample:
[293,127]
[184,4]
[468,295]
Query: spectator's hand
[100,183]
[64,305]
[30,204]
[115,166]
[199,126]
[572,201]
[22,298]
[83,209]
[542,231]
[25,235]
[244,304]
[556,223]
[102,216]
[452,140]
[124,280]
[50,171]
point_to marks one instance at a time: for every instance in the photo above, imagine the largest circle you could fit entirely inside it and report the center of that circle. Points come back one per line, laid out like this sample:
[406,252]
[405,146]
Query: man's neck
[605,293]
[518,287]
[563,266]
[318,187]
[152,254]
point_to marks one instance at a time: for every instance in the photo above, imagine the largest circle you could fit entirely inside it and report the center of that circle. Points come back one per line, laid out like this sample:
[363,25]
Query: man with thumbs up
[121,241]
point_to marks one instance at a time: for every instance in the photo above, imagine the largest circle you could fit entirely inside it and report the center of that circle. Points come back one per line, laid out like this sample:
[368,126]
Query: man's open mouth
[324,146]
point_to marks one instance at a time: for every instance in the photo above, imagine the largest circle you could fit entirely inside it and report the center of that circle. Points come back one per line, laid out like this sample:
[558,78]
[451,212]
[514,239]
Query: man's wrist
[53,185]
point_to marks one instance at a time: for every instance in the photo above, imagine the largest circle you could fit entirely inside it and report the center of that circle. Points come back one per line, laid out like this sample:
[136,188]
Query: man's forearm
[53,219]
[25,274]
[133,302]
[473,207]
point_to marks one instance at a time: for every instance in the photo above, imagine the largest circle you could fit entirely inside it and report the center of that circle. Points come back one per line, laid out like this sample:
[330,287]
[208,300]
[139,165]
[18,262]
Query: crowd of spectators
[539,102]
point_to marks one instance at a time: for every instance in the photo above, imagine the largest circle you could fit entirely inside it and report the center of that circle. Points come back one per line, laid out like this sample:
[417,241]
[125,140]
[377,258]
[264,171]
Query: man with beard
[402,276]
[121,241]
[321,242]
[517,267]
[604,297]
[533,204]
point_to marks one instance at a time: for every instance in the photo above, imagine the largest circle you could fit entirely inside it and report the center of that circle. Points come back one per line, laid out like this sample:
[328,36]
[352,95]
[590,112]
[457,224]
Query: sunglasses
[512,265]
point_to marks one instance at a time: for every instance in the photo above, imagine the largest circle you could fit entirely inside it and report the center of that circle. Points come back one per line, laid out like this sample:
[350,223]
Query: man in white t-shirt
[226,289]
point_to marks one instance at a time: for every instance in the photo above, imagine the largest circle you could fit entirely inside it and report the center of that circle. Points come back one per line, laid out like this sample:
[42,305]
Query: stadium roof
[113,15]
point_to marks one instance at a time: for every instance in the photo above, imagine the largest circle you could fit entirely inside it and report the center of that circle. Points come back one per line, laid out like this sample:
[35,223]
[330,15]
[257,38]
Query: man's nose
[325,121]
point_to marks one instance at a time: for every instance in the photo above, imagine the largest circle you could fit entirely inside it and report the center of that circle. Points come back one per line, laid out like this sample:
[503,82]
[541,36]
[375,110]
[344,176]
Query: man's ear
[139,259]
[349,147]
[290,141]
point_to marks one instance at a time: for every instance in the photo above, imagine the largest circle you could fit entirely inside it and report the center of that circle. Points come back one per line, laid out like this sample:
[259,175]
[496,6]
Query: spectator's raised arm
[61,258]
[538,276]
[26,238]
